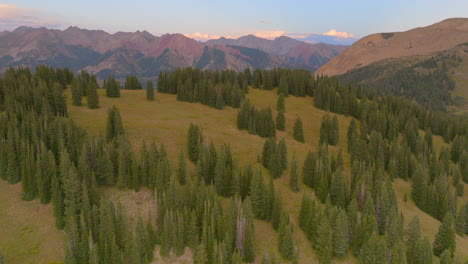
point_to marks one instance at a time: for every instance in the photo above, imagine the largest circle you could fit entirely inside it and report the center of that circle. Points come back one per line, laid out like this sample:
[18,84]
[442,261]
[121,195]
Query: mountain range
[145,55]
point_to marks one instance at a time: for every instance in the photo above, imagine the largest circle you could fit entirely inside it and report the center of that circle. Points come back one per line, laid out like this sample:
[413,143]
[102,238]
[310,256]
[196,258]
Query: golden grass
[27,229]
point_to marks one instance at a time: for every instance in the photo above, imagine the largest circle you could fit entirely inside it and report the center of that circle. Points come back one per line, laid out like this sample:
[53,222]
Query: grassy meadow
[27,229]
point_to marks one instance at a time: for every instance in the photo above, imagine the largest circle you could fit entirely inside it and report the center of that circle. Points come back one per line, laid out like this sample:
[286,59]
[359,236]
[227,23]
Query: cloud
[203,36]
[264,22]
[331,37]
[12,16]
[269,34]
[334,33]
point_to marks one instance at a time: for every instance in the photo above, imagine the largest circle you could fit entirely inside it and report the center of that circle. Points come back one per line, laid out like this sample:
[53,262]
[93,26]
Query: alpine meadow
[218,148]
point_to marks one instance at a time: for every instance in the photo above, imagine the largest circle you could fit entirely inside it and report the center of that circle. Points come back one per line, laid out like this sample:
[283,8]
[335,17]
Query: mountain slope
[309,56]
[141,53]
[419,41]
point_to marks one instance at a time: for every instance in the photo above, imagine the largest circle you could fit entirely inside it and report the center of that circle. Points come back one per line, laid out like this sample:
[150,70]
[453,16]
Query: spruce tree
[283,88]
[182,172]
[76,92]
[92,95]
[340,234]
[286,246]
[298,134]
[149,91]
[423,252]
[280,121]
[114,124]
[324,241]
[294,175]
[283,151]
[374,250]
[446,257]
[280,103]
[445,238]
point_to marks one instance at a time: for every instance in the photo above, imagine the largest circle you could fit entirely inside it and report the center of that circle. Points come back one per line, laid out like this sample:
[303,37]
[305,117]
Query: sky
[330,21]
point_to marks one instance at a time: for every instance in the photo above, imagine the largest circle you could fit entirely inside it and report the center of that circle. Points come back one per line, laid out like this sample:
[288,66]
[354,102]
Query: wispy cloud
[12,16]
[335,33]
[267,34]
[331,37]
[264,22]
[203,36]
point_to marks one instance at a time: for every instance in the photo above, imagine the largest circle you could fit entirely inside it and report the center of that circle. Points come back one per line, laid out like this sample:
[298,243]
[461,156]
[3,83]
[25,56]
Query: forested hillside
[223,167]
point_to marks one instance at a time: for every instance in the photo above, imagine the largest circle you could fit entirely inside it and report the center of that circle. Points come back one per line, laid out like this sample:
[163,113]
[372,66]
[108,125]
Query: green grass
[166,121]
[27,229]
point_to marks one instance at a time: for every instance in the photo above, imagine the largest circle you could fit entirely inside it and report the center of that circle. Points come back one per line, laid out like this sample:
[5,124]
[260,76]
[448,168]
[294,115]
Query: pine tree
[460,221]
[149,91]
[200,255]
[283,88]
[286,245]
[413,236]
[445,238]
[340,234]
[280,121]
[298,134]
[324,241]
[283,151]
[182,172]
[446,257]
[280,103]
[92,94]
[114,124]
[374,250]
[423,252]
[194,140]
[76,92]
[337,189]
[294,175]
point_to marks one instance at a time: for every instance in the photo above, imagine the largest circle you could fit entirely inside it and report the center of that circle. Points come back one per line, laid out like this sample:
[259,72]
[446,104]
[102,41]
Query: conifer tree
[280,121]
[445,238]
[294,175]
[298,134]
[2,258]
[114,124]
[283,88]
[149,91]
[286,245]
[423,252]
[194,140]
[112,87]
[258,194]
[324,241]
[374,250]
[200,255]
[92,94]
[340,234]
[182,172]
[283,151]
[76,92]
[446,257]
[280,104]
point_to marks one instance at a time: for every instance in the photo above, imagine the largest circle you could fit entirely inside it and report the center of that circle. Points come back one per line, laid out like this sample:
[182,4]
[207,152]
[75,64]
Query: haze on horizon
[333,22]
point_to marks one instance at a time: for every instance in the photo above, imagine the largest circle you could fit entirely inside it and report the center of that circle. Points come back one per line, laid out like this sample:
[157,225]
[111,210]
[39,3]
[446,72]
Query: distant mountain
[145,55]
[416,42]
[301,54]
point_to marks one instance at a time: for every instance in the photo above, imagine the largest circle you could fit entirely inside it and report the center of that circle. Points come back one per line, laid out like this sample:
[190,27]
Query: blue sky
[330,20]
